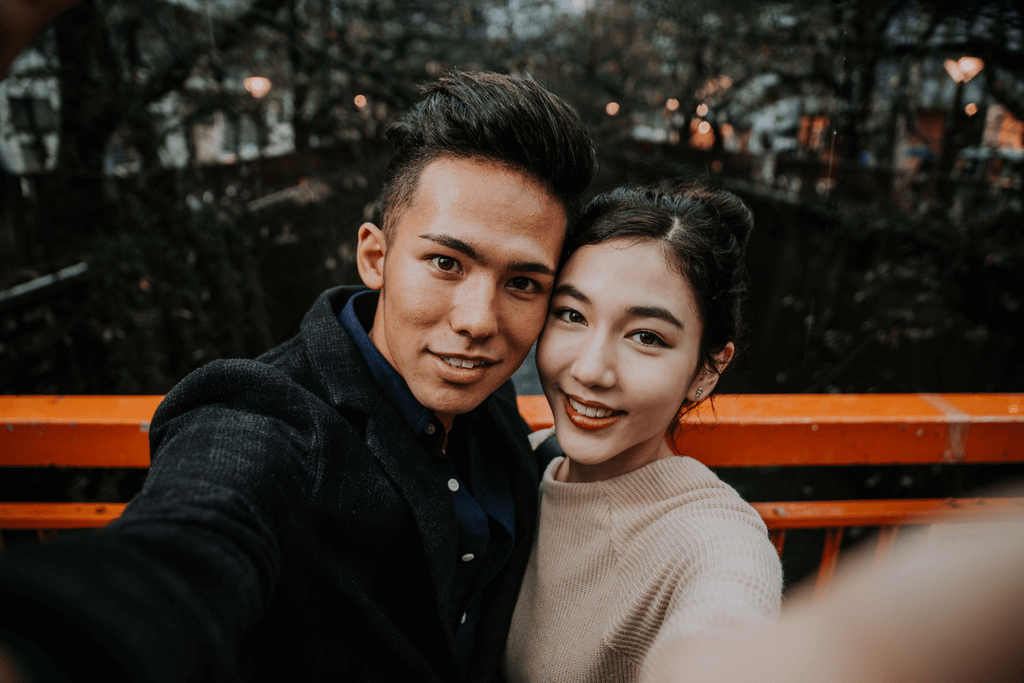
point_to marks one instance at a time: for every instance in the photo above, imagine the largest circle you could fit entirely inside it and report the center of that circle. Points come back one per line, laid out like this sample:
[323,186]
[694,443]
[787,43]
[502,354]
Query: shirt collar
[357,319]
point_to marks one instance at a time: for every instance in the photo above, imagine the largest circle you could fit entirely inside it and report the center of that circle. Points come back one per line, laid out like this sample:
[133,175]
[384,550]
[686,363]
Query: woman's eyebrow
[654,312]
[569,290]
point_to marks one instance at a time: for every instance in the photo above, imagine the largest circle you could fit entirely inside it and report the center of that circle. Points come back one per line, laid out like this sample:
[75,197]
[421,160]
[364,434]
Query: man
[355,504]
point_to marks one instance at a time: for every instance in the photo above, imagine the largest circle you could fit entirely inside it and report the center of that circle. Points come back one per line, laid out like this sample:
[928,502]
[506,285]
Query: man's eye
[445,263]
[524,284]
[570,315]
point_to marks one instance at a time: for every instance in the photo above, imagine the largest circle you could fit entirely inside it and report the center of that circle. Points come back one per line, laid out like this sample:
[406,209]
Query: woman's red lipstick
[590,424]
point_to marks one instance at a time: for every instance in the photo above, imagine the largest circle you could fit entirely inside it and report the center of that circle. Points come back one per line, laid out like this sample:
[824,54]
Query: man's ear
[370,251]
[707,379]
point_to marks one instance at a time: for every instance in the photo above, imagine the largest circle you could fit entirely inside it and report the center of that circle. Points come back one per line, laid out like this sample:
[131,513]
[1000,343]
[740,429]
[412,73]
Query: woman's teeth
[462,362]
[590,411]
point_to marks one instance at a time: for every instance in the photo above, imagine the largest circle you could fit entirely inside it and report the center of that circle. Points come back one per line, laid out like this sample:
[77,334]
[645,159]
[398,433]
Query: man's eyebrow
[531,267]
[654,312]
[569,290]
[455,244]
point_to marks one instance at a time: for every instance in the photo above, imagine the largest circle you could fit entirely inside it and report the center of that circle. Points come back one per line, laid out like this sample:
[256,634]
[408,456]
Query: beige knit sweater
[668,545]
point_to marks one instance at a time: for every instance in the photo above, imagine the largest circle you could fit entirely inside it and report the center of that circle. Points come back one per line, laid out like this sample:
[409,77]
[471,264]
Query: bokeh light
[672,104]
[612,108]
[360,101]
[702,109]
[971,109]
[257,86]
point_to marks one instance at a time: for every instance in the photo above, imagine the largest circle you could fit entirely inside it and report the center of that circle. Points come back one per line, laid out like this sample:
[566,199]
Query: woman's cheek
[549,348]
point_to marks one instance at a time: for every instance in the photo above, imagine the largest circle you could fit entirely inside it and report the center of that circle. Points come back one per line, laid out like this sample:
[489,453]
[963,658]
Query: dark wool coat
[291,528]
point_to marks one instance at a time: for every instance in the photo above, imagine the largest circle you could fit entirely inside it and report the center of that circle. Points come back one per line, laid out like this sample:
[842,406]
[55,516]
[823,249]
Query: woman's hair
[703,234]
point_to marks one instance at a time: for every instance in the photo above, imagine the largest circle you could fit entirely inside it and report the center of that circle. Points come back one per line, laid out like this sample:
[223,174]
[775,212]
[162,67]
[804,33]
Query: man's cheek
[528,327]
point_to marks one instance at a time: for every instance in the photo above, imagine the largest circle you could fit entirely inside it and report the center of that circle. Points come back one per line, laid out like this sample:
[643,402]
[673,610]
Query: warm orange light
[360,101]
[971,109]
[257,86]
[704,128]
[702,110]
[612,108]
[727,130]
[963,69]
[672,104]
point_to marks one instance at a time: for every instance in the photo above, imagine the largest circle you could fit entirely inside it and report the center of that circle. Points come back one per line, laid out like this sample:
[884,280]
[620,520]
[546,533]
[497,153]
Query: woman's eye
[648,338]
[571,316]
[445,263]
[524,284]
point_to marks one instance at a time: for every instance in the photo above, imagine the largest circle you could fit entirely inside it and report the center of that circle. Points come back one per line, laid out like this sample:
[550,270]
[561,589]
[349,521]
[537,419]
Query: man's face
[466,272]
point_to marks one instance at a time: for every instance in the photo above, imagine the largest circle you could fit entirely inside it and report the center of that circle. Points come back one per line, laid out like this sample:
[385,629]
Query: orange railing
[737,431]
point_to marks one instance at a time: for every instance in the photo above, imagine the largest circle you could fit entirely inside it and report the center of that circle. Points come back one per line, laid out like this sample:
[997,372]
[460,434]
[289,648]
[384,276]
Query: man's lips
[467,362]
[462,369]
[599,416]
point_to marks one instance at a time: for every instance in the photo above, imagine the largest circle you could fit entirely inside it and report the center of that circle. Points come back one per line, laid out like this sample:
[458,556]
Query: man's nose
[475,310]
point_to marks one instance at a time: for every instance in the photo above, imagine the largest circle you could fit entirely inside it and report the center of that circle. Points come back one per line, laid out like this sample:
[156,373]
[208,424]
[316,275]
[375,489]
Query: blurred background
[187,175]
[179,180]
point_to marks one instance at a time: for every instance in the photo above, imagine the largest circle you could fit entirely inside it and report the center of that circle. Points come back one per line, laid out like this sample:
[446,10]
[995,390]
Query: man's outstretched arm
[169,591]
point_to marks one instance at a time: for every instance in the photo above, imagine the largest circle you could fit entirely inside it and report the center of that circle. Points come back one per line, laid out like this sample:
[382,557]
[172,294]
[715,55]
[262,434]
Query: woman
[634,541]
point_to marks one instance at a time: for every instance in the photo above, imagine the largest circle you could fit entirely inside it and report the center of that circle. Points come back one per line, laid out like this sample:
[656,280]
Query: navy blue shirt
[480,488]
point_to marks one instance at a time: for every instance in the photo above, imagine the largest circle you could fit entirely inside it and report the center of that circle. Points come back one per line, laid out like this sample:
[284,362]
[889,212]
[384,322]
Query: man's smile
[464,362]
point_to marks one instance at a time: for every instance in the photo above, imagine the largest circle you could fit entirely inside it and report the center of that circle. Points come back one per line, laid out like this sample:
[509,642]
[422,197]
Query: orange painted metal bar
[536,411]
[855,429]
[829,559]
[777,516]
[76,431]
[736,431]
[845,513]
[58,515]
[884,544]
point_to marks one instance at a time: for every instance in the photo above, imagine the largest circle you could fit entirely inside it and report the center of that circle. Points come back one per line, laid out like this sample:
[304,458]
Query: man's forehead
[477,200]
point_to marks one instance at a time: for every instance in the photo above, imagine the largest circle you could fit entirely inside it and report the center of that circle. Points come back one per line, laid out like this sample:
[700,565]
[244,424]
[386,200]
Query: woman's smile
[590,417]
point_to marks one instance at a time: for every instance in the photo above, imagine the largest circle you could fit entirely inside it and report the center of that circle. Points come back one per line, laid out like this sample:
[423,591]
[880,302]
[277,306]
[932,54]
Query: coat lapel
[350,387]
[408,467]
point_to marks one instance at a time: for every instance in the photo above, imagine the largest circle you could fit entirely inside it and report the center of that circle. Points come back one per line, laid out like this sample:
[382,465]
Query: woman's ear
[370,252]
[704,383]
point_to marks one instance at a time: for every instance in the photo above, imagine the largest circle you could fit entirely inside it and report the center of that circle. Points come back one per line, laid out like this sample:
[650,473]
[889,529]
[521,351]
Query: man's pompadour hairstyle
[510,120]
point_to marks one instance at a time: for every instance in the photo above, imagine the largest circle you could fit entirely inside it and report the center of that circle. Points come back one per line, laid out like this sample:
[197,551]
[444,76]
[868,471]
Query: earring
[700,390]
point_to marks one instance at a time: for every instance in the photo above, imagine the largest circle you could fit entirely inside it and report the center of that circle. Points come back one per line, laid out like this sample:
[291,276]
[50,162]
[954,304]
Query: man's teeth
[462,362]
[590,411]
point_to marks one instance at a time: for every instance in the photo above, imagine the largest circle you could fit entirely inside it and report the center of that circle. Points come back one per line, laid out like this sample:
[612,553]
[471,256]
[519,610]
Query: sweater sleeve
[733,581]
[168,591]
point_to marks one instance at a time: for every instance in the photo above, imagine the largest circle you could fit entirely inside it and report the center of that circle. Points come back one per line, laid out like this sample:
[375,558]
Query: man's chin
[464,400]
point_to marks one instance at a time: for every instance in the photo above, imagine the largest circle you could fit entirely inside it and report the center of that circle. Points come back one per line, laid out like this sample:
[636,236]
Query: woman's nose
[594,366]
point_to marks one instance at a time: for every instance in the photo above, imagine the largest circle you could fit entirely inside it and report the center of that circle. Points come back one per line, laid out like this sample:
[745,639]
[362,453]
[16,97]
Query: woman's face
[618,354]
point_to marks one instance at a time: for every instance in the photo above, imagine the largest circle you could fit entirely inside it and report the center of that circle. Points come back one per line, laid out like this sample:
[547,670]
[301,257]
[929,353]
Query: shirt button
[429,429]
[468,557]
[453,484]
[463,618]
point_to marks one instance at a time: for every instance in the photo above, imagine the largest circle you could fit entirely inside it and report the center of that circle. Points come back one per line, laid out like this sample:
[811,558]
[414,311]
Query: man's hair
[510,120]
